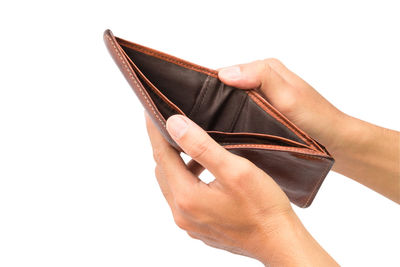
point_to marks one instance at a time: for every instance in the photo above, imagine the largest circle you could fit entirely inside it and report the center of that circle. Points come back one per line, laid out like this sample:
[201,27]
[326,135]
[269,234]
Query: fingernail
[177,126]
[230,73]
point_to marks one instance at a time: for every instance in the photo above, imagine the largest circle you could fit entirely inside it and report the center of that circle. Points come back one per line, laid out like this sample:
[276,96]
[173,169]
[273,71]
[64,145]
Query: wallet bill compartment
[201,91]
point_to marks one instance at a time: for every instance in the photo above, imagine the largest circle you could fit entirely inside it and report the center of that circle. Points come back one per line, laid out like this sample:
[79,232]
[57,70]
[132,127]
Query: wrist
[341,133]
[275,237]
[290,244]
[350,134]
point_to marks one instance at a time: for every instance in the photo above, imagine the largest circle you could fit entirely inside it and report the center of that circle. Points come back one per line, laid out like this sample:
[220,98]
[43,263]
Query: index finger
[168,159]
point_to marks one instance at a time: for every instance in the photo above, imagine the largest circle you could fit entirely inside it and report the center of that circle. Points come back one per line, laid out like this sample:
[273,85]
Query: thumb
[196,143]
[265,74]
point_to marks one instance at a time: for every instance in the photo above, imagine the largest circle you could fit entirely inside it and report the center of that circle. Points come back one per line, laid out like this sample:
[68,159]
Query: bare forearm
[369,155]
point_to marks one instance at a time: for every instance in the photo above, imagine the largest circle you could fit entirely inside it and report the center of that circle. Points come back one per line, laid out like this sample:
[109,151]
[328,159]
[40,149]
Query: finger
[264,74]
[162,182]
[195,142]
[166,191]
[195,167]
[174,169]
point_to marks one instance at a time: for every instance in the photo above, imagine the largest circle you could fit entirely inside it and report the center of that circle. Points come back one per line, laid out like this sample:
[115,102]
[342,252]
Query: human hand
[242,211]
[291,95]
[364,152]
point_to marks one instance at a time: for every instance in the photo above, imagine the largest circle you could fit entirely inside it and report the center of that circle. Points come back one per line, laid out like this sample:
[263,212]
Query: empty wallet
[242,121]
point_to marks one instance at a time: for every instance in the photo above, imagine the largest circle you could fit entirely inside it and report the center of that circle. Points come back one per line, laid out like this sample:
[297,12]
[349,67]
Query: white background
[76,172]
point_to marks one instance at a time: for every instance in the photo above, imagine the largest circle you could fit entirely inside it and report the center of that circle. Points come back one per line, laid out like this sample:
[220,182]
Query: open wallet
[242,121]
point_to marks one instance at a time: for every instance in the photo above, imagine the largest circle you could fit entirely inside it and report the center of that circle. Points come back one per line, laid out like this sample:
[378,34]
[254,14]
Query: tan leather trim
[167,57]
[280,148]
[262,135]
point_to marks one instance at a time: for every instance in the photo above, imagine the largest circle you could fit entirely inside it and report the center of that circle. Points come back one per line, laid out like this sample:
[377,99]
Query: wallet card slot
[247,138]
[165,106]
[165,109]
[177,85]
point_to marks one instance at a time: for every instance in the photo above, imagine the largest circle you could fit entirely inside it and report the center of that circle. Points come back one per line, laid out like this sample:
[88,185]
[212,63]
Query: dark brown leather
[240,120]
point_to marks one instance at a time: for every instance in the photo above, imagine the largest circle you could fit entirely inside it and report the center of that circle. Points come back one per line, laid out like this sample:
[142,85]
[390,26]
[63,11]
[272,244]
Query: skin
[243,210]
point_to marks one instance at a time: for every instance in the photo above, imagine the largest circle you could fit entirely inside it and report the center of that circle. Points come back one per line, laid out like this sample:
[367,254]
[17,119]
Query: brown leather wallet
[242,121]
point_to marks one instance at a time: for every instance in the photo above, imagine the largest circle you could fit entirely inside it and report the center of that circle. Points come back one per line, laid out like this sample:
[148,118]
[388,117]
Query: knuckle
[158,155]
[291,95]
[226,160]
[184,204]
[272,65]
[181,222]
[199,149]
[266,68]
[273,62]
[192,235]
[157,170]
[244,169]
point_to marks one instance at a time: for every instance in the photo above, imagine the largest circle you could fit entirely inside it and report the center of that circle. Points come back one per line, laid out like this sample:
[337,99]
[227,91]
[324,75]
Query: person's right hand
[288,93]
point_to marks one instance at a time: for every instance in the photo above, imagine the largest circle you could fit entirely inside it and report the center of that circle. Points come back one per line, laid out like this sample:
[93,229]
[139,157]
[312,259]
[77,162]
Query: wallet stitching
[134,80]
[204,91]
[293,149]
[169,58]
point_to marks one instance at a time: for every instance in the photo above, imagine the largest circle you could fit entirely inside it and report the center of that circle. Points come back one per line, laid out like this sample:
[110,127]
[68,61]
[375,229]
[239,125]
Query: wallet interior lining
[205,99]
